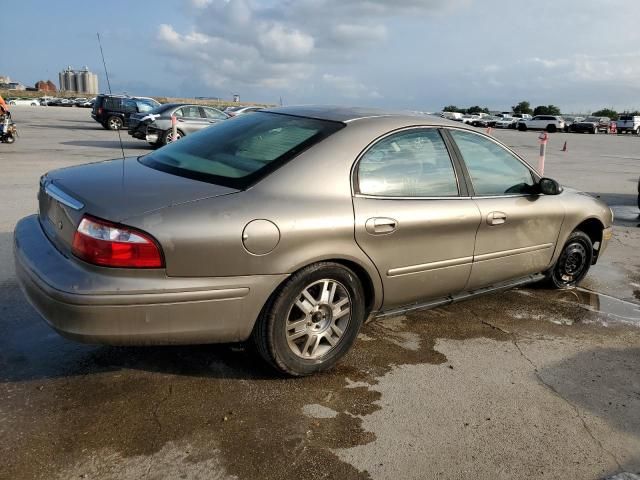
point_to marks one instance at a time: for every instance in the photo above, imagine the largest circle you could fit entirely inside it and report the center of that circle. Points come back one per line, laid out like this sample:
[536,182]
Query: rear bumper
[127,307]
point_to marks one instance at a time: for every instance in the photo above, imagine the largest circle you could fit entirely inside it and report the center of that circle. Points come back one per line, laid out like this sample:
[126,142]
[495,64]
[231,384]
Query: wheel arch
[593,228]
[370,281]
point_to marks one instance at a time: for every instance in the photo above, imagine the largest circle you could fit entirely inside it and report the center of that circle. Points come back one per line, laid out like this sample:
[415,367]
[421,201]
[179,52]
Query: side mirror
[549,186]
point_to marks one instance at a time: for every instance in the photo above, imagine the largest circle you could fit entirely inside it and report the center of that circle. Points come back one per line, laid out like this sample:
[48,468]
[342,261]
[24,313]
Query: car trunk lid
[113,190]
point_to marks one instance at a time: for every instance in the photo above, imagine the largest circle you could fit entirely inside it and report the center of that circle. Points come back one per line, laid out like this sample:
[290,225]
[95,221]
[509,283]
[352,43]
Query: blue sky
[417,54]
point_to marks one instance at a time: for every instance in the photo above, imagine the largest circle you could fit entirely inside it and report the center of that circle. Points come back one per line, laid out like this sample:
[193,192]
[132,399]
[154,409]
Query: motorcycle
[8,130]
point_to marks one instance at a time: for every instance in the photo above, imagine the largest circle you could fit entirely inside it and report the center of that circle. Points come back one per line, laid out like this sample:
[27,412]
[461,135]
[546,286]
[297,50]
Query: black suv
[113,111]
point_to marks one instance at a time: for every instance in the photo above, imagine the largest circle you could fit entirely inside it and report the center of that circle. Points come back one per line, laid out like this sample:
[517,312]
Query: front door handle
[381,225]
[496,218]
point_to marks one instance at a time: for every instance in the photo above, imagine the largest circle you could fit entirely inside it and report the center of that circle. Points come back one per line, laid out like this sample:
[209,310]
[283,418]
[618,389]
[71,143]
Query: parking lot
[529,383]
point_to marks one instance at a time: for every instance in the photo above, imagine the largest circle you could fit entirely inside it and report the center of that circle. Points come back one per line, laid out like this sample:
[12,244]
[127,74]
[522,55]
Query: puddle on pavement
[261,426]
[626,214]
[608,310]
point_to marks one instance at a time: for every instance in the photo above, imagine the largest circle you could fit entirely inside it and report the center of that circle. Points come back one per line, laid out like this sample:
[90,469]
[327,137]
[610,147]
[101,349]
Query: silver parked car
[292,226]
[155,126]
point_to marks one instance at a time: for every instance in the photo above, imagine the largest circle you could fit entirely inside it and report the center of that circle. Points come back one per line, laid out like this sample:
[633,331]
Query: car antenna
[106,74]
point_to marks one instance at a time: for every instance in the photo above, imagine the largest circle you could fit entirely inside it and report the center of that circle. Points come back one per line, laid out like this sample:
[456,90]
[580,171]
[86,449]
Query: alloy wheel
[115,123]
[318,319]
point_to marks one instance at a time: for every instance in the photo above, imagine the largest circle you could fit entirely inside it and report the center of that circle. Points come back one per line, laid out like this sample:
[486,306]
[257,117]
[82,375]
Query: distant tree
[453,108]
[522,107]
[546,110]
[477,109]
[606,112]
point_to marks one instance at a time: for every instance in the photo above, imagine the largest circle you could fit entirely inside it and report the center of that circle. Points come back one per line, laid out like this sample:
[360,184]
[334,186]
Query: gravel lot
[529,383]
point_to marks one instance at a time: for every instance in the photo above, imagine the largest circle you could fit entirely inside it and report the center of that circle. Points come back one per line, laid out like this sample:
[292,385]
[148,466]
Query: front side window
[493,169]
[408,164]
[240,152]
[129,105]
[145,106]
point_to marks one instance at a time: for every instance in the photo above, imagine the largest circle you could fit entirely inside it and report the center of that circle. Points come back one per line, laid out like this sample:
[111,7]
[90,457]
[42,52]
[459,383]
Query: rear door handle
[381,225]
[496,218]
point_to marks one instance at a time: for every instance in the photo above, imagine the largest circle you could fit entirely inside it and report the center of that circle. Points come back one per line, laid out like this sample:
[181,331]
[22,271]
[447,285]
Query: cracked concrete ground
[528,383]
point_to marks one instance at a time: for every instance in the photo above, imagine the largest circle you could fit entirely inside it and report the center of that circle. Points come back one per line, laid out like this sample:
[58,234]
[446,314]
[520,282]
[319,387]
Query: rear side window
[188,112]
[214,114]
[493,169]
[111,103]
[239,152]
[408,164]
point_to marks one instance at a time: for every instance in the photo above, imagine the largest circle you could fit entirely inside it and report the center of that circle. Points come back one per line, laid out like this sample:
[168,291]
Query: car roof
[353,114]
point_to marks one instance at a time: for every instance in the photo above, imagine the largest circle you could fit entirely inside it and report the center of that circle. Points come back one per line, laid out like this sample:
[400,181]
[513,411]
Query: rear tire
[522,128]
[114,123]
[312,320]
[573,263]
[552,128]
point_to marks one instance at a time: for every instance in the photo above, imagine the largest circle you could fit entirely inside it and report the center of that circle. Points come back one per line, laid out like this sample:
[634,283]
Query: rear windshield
[239,152]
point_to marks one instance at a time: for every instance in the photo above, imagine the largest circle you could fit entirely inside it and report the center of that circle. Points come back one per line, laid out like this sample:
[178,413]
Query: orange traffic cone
[564,149]
[489,130]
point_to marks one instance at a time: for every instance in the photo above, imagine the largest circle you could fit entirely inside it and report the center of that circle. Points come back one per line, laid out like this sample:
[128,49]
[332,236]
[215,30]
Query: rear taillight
[99,110]
[106,244]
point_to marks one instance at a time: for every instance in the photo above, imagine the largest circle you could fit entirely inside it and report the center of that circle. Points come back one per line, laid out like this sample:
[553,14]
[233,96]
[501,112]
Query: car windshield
[239,152]
[592,119]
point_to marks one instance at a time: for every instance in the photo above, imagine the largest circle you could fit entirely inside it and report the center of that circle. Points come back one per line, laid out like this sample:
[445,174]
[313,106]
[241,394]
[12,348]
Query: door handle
[496,218]
[381,225]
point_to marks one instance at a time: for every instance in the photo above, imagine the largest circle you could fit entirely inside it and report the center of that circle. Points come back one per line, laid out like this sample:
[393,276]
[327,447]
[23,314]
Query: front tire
[167,136]
[574,262]
[312,320]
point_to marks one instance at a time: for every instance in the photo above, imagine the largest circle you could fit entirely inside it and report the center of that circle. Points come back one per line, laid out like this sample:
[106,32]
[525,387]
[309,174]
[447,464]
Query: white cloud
[281,43]
[349,87]
[236,43]
[349,32]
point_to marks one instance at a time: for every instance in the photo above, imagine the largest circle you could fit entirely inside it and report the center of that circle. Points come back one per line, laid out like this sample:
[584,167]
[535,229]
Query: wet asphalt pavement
[529,383]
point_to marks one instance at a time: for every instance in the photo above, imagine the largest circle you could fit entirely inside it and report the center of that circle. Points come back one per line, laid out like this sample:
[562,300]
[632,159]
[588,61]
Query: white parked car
[469,119]
[452,116]
[550,123]
[29,102]
[628,123]
[505,122]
